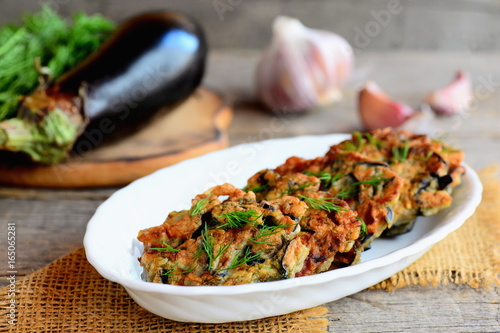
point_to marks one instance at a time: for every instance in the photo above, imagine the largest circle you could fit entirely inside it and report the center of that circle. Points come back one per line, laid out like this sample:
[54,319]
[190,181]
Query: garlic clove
[454,98]
[377,110]
[302,68]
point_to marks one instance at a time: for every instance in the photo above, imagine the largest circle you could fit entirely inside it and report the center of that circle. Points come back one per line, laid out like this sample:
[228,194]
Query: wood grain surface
[195,127]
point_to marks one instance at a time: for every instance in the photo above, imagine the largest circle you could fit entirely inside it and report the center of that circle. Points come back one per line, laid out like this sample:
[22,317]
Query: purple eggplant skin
[153,60]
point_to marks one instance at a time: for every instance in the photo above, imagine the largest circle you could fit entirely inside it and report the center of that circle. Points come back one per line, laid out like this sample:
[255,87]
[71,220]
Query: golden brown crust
[305,216]
[277,239]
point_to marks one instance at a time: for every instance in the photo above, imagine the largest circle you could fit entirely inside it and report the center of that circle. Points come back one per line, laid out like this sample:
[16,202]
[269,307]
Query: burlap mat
[68,295]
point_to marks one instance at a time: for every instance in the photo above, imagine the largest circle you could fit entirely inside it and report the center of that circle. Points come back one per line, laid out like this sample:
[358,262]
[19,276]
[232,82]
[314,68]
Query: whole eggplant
[152,60]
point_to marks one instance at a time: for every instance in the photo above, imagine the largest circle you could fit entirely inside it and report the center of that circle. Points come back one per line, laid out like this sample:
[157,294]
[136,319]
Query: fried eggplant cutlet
[430,170]
[389,177]
[244,240]
[370,188]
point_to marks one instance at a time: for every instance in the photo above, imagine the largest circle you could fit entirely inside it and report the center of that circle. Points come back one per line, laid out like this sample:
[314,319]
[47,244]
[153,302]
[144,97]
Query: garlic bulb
[302,68]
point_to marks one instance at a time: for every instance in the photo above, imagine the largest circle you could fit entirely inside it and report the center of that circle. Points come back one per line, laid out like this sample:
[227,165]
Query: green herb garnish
[243,258]
[257,188]
[364,230]
[337,177]
[326,178]
[174,271]
[322,175]
[401,153]
[350,146]
[168,248]
[373,141]
[266,231]
[346,192]
[354,145]
[351,190]
[428,156]
[359,138]
[189,270]
[208,244]
[374,181]
[57,44]
[291,189]
[323,204]
[239,218]
[199,205]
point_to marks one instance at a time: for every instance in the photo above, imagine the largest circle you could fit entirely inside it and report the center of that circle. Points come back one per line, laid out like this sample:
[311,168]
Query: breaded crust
[241,240]
[305,216]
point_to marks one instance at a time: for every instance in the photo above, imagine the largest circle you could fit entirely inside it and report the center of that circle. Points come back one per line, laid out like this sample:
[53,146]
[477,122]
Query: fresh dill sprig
[346,192]
[239,218]
[401,153]
[256,188]
[323,204]
[57,44]
[174,271]
[337,177]
[373,141]
[364,230]
[351,190]
[291,189]
[356,144]
[350,146]
[199,205]
[359,138]
[374,181]
[326,178]
[208,244]
[266,231]
[428,156]
[243,258]
[322,175]
[167,249]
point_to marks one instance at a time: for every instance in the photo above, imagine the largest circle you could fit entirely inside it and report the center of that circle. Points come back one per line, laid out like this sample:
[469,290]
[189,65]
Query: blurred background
[409,48]
[465,25]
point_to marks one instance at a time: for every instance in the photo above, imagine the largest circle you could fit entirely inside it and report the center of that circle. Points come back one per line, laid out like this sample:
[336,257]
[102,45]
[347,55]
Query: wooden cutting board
[193,128]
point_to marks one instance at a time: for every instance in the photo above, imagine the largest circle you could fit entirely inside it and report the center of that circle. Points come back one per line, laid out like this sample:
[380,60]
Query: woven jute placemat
[68,295]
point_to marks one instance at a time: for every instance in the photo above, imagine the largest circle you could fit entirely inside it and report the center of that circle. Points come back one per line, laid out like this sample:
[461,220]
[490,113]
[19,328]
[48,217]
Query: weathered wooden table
[51,223]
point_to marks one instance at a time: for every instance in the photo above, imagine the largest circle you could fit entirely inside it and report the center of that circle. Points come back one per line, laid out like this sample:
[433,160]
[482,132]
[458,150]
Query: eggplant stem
[47,141]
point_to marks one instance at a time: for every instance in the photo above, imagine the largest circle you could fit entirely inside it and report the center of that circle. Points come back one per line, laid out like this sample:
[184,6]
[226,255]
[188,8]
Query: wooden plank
[45,229]
[417,309]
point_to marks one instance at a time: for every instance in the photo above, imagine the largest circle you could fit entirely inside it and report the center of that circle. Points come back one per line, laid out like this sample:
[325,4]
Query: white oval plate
[111,245]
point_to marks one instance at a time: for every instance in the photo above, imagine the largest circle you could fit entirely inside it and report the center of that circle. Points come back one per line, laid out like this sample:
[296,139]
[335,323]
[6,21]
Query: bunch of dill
[57,44]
